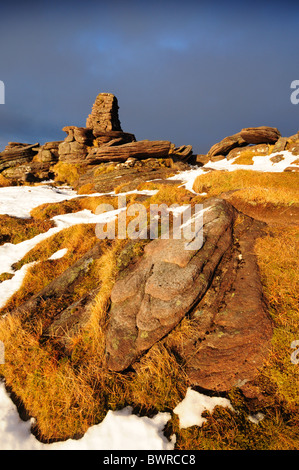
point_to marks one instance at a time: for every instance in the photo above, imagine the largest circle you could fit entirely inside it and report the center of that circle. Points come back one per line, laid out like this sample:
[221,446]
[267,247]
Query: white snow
[120,430]
[59,254]
[10,286]
[256,418]
[194,404]
[19,201]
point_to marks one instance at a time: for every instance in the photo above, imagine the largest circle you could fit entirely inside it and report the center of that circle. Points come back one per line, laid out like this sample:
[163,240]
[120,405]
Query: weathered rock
[52,145]
[48,153]
[280,144]
[124,176]
[202,159]
[70,321]
[104,114]
[62,284]
[227,144]
[260,149]
[150,300]
[70,133]
[141,150]
[260,135]
[293,169]
[294,148]
[217,158]
[105,137]
[12,146]
[16,154]
[72,151]
[294,138]
[277,158]
[232,329]
[29,172]
[78,134]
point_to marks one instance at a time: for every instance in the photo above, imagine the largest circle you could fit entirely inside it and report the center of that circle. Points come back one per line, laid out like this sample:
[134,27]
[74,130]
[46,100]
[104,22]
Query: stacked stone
[74,148]
[104,114]
[48,153]
[16,153]
[102,129]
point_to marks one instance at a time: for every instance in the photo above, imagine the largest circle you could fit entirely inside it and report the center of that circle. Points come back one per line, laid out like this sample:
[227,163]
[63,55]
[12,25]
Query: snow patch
[194,404]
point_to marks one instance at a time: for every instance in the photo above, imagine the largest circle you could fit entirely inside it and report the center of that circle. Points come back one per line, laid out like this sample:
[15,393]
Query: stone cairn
[103,140]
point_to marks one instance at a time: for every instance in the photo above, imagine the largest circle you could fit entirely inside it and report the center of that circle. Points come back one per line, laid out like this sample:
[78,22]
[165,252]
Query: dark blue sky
[190,72]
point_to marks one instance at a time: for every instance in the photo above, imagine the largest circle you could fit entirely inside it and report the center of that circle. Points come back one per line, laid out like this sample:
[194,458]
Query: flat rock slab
[151,298]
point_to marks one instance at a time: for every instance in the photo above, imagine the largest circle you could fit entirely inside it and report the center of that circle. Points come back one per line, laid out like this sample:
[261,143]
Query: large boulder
[260,135]
[225,145]
[217,286]
[149,300]
[142,149]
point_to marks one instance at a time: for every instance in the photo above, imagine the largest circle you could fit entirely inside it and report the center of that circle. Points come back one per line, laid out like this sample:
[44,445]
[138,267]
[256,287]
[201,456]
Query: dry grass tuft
[4,182]
[67,172]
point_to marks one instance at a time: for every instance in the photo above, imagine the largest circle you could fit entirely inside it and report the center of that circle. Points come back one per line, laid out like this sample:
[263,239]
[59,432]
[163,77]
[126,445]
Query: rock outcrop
[233,330]
[103,139]
[227,144]
[16,154]
[150,301]
[232,145]
[260,135]
[141,150]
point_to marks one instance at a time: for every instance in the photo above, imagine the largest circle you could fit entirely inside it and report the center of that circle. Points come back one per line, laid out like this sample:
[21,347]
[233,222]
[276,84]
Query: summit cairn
[103,140]
[104,114]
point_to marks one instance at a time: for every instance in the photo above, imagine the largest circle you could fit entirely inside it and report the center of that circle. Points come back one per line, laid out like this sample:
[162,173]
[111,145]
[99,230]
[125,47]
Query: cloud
[191,72]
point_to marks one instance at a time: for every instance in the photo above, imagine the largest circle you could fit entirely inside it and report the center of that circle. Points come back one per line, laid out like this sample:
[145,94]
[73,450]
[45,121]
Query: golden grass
[49,210]
[279,264]
[247,155]
[103,169]
[67,172]
[171,194]
[277,188]
[15,230]
[68,394]
[246,158]
[58,396]
[277,196]
[4,182]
